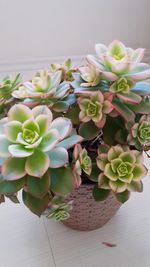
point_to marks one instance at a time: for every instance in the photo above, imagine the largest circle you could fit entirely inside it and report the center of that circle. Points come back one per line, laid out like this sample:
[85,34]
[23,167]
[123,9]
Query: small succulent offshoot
[90,75]
[66,69]
[81,162]
[59,209]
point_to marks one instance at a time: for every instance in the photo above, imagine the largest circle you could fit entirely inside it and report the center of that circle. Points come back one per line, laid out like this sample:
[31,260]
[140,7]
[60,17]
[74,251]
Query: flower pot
[88,214]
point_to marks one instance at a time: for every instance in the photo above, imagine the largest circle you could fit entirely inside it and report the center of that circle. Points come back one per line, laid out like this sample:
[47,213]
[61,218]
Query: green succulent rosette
[7,85]
[66,69]
[94,106]
[139,135]
[122,168]
[59,209]
[30,141]
[81,162]
[122,85]
[90,75]
[46,88]
[117,60]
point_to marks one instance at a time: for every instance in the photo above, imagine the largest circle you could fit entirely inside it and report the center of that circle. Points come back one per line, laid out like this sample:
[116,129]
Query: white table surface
[27,241]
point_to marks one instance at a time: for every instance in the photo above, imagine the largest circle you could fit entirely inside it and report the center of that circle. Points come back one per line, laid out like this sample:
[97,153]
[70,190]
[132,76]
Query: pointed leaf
[43,122]
[123,197]
[38,187]
[4,144]
[139,75]
[88,130]
[49,140]
[142,88]
[8,187]
[70,141]
[20,112]
[58,157]
[95,173]
[60,106]
[36,205]
[62,180]
[63,125]
[143,107]
[100,194]
[123,110]
[13,168]
[135,186]
[13,198]
[12,129]
[37,164]
[110,129]
[20,151]
[131,98]
[42,110]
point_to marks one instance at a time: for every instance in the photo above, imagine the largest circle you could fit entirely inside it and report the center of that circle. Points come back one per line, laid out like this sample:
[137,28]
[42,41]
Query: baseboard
[31,65]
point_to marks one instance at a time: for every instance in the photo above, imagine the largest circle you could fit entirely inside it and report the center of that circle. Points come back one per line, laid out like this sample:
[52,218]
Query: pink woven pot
[88,214]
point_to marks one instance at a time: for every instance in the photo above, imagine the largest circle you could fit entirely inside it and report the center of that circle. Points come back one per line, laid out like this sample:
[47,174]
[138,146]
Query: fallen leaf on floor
[110,245]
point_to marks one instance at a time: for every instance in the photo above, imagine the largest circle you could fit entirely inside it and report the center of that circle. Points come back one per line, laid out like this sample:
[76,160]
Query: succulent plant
[94,106]
[59,209]
[81,162]
[118,60]
[90,76]
[7,85]
[46,88]
[40,86]
[122,168]
[122,85]
[29,139]
[66,69]
[69,126]
[139,133]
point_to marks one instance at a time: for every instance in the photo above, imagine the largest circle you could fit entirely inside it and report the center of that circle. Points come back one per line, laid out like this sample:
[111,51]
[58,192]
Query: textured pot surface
[88,214]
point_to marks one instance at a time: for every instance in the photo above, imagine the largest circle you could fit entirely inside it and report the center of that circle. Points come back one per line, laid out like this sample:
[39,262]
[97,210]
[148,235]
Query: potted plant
[72,139]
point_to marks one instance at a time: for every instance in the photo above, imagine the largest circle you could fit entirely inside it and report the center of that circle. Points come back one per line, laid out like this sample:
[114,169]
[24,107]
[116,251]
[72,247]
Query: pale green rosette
[139,135]
[122,169]
[94,106]
[29,141]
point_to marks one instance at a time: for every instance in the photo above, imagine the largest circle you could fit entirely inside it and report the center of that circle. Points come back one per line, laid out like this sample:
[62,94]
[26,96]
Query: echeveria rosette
[122,89]
[66,69]
[122,168]
[117,60]
[28,141]
[122,85]
[139,135]
[58,209]
[94,106]
[90,75]
[7,85]
[44,86]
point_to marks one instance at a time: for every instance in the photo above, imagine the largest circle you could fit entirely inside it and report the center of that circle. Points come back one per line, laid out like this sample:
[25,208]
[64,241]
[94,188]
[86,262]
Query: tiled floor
[27,241]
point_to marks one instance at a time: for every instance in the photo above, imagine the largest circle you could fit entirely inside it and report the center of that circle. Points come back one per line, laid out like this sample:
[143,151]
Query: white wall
[31,29]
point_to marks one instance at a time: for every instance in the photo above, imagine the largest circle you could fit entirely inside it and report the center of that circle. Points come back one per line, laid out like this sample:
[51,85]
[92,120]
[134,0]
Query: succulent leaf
[61,180]
[100,194]
[38,187]
[36,205]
